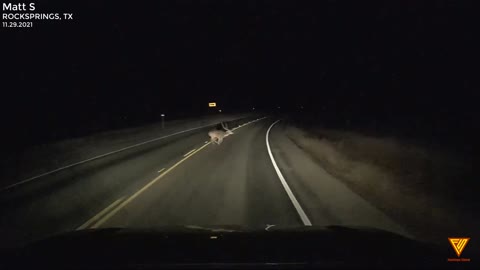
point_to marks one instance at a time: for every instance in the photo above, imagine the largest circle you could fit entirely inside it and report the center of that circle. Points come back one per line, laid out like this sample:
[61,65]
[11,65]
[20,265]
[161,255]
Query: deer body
[216,136]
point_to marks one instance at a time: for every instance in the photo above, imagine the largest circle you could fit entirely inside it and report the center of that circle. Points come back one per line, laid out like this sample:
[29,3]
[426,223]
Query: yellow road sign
[212,104]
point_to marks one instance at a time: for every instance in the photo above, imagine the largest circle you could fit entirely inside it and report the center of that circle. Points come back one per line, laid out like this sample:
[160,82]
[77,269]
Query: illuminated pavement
[183,180]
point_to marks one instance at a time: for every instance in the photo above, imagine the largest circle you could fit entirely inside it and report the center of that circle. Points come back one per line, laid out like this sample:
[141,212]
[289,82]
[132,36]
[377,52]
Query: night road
[187,180]
[244,134]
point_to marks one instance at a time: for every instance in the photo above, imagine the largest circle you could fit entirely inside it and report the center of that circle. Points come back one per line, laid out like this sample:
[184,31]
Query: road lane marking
[99,215]
[131,198]
[189,152]
[296,204]
[136,194]
[161,170]
[99,156]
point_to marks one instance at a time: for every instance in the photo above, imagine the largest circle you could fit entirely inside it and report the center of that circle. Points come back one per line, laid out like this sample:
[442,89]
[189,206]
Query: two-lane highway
[65,200]
[185,180]
[255,178]
[229,184]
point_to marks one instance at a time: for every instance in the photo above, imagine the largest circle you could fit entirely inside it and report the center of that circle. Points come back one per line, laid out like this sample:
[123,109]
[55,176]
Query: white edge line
[131,198]
[99,215]
[161,170]
[189,152]
[100,156]
[296,204]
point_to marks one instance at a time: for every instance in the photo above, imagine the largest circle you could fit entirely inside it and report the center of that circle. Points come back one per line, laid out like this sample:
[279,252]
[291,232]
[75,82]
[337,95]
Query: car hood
[192,245]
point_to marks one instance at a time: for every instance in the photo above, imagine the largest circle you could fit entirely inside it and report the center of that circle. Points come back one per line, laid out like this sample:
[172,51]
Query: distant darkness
[402,63]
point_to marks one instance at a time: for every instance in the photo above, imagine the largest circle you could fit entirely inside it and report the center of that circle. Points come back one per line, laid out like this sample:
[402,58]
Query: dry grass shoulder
[429,192]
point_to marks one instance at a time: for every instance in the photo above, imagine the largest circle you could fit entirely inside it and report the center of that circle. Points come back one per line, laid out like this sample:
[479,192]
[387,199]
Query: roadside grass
[430,191]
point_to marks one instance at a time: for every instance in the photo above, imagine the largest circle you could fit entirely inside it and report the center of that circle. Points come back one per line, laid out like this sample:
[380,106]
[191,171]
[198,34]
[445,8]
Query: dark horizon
[122,65]
[353,120]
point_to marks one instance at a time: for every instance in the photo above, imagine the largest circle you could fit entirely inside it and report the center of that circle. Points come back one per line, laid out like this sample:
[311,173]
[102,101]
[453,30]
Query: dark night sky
[392,60]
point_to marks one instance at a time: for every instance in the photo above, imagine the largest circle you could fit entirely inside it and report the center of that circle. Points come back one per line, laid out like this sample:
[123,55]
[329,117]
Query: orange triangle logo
[458,244]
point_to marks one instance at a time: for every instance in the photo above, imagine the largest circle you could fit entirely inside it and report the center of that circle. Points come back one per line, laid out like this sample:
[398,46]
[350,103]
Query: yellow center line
[99,215]
[131,198]
[189,152]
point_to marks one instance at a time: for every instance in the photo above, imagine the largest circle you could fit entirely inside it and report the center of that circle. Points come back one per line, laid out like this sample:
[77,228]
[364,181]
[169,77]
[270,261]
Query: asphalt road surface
[186,180]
